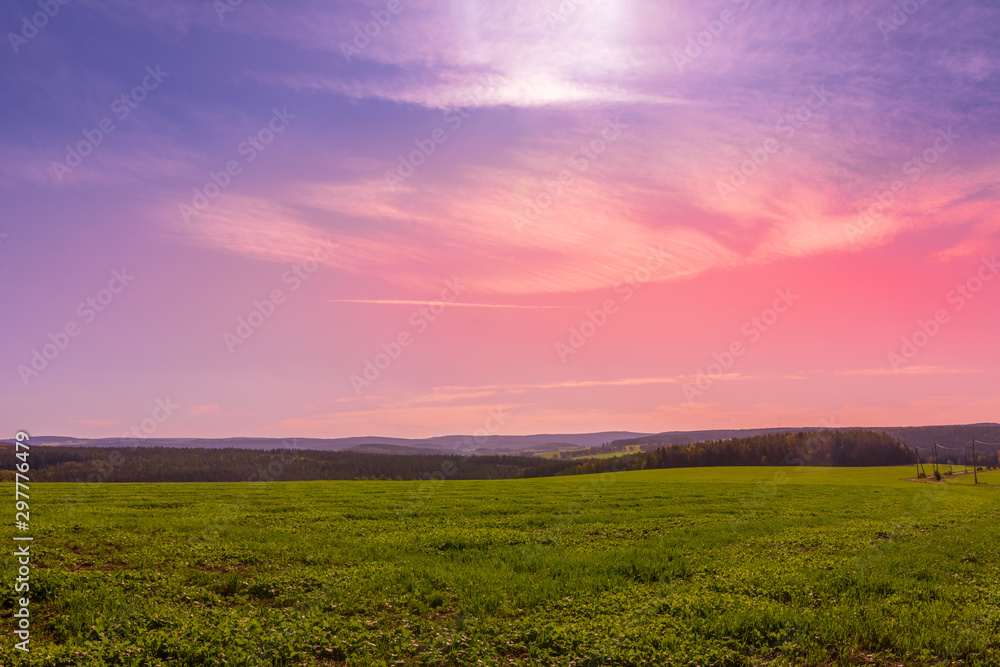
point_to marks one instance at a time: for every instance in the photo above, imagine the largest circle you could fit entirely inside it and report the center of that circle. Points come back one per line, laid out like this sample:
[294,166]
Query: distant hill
[952,439]
[55,463]
[955,438]
[445,444]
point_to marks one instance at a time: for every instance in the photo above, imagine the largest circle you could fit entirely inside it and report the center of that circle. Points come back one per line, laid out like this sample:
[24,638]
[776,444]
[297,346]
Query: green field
[716,566]
[581,454]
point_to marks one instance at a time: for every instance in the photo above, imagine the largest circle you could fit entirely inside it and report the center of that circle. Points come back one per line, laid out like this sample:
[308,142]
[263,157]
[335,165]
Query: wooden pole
[975,467]
[937,473]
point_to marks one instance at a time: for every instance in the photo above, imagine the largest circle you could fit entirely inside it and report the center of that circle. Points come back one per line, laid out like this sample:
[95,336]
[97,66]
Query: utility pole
[975,468]
[937,473]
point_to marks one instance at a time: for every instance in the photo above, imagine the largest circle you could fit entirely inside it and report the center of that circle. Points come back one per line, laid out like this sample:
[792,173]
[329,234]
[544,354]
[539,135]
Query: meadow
[696,566]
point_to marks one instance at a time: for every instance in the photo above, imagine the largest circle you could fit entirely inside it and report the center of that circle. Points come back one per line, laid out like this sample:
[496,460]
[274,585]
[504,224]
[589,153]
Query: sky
[409,218]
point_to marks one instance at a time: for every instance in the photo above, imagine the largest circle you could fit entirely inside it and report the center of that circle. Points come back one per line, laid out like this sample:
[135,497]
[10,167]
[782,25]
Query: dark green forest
[823,448]
[954,438]
[174,464]
[169,464]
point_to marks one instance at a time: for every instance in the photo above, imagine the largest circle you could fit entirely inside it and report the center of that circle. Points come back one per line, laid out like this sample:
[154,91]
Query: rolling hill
[952,439]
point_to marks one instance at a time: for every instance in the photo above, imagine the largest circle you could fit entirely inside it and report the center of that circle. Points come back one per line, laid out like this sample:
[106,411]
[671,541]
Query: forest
[824,448]
[178,464]
[169,464]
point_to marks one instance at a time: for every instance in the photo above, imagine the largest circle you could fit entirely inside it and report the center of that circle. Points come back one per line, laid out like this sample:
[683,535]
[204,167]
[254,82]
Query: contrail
[409,302]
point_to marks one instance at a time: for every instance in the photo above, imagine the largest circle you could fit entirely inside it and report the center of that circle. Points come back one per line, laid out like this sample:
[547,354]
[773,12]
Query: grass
[991,477]
[581,454]
[712,566]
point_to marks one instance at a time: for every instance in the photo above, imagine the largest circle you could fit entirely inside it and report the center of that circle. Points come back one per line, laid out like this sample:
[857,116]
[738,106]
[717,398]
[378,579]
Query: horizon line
[418,302]
[519,435]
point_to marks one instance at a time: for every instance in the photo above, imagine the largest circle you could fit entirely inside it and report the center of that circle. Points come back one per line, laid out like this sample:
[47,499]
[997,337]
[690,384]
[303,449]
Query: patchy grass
[712,566]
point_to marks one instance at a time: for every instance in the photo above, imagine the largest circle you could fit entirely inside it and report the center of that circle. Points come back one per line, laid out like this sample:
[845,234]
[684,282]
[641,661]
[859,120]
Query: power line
[978,442]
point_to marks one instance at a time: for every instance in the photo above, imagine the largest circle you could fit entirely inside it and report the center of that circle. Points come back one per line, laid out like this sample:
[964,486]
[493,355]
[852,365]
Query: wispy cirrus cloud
[458,304]
[908,370]
[538,82]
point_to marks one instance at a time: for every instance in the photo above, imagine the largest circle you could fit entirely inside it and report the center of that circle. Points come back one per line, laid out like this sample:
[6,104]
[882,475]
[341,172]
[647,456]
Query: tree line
[172,464]
[823,448]
[178,464]
[923,438]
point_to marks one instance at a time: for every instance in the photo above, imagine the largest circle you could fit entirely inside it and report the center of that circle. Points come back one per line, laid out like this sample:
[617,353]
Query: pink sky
[540,173]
